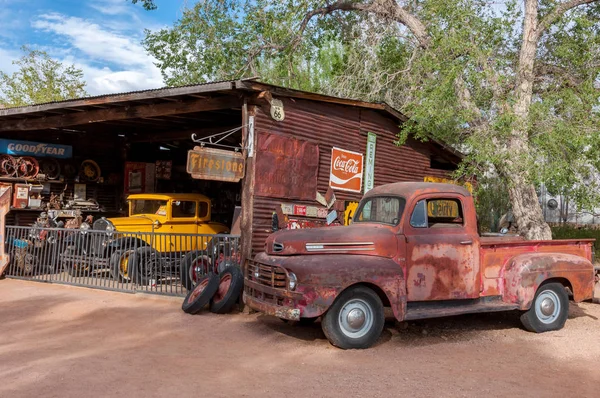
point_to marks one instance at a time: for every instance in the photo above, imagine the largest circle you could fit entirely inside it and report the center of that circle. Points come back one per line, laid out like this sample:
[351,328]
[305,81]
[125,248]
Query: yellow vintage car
[164,235]
[177,213]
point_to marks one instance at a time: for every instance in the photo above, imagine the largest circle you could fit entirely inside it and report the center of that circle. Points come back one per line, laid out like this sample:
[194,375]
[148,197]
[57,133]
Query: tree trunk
[525,206]
[526,209]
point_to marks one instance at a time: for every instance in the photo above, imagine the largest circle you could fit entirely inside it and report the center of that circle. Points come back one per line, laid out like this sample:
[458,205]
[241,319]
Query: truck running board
[436,309]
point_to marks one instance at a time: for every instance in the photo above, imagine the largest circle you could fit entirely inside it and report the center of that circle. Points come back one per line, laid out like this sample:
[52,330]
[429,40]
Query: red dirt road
[61,341]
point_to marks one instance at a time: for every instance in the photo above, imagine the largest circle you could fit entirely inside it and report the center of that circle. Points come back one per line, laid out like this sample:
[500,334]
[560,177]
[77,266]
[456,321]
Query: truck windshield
[148,206]
[381,209]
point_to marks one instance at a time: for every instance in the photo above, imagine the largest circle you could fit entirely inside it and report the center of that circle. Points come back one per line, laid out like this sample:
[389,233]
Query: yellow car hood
[132,224]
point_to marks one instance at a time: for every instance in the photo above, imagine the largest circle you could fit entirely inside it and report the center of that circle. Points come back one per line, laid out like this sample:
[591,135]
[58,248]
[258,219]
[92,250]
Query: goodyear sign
[36,149]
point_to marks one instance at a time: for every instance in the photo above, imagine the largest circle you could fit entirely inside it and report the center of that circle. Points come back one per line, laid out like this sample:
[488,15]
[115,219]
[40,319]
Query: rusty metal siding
[345,127]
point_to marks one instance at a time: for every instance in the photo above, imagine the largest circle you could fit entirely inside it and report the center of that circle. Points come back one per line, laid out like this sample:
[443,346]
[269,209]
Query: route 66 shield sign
[277,112]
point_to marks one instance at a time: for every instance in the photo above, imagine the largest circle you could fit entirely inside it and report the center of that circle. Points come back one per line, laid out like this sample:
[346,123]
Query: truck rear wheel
[355,320]
[549,310]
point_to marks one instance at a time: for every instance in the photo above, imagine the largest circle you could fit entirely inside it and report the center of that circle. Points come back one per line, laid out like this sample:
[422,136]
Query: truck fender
[332,274]
[525,273]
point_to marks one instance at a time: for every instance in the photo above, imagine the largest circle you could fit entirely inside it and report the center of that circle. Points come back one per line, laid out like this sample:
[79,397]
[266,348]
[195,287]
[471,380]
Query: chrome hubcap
[356,318]
[547,307]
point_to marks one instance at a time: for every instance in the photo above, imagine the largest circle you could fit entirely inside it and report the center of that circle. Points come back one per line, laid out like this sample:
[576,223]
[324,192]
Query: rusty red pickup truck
[415,247]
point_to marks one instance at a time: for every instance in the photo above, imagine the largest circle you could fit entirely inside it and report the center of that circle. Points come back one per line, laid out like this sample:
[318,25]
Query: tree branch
[558,12]
[384,8]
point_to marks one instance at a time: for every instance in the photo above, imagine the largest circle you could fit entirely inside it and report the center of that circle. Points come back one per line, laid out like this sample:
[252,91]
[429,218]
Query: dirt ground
[62,341]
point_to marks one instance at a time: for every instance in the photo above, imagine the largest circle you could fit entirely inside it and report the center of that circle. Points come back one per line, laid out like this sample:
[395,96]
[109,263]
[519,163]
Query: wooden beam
[120,113]
[179,134]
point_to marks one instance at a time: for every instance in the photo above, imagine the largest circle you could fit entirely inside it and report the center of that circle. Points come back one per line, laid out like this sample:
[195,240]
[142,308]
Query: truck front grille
[267,275]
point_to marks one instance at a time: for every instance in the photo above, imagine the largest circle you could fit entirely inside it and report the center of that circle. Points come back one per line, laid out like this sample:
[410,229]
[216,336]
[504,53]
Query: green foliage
[460,89]
[491,201]
[147,4]
[567,231]
[40,79]
[220,40]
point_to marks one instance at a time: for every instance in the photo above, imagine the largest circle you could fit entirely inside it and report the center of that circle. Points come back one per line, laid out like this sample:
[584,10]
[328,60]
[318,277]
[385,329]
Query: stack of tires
[221,292]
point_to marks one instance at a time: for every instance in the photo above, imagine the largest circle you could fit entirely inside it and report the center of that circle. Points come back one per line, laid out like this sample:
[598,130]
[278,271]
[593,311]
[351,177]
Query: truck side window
[183,209]
[418,219]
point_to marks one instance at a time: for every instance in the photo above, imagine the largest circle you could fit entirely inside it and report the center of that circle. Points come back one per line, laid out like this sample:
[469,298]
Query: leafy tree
[217,40]
[147,4]
[515,86]
[40,79]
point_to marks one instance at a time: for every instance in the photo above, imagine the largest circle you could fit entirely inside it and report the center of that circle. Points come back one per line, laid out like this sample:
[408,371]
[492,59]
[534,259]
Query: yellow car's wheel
[121,265]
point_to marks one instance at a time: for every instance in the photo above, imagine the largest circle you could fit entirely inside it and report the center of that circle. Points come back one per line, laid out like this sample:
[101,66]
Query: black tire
[231,283]
[72,268]
[117,272]
[548,297]
[145,262]
[340,333]
[188,273]
[200,295]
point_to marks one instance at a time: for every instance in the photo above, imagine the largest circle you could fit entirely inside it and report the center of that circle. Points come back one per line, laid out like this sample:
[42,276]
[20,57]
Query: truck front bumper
[271,301]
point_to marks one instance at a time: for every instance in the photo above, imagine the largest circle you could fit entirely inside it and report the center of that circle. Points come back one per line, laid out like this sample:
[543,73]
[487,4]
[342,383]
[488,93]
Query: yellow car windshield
[149,206]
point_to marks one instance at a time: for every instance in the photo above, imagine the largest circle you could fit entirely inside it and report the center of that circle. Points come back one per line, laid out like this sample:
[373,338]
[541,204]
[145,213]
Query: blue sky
[101,37]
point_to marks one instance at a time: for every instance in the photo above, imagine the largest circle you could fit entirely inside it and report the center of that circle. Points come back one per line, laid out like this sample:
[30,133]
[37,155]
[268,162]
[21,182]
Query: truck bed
[496,252]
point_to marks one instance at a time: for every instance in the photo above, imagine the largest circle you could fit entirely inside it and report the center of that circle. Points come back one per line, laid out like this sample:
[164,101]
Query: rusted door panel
[442,265]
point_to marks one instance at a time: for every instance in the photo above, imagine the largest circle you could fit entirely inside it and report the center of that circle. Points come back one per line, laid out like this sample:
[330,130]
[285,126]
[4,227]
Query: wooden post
[247,186]
[4,209]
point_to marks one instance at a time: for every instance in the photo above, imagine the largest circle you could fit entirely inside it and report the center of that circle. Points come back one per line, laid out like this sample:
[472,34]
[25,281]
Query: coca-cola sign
[346,170]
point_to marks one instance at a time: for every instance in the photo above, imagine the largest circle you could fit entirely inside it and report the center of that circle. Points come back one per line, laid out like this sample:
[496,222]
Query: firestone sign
[215,164]
[346,170]
[37,149]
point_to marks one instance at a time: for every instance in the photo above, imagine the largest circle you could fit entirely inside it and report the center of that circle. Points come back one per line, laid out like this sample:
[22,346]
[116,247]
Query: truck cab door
[442,250]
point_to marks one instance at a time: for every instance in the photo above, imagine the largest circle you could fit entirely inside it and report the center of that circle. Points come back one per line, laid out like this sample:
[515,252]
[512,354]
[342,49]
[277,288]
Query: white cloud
[111,7]
[6,60]
[105,81]
[112,61]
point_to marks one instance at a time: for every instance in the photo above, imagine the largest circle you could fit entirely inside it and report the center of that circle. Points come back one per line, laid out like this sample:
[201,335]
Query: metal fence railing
[151,262]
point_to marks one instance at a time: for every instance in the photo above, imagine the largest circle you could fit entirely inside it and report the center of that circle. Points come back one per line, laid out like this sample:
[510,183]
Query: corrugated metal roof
[125,93]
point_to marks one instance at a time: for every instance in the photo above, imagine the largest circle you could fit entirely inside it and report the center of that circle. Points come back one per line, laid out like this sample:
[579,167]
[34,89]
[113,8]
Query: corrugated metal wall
[345,127]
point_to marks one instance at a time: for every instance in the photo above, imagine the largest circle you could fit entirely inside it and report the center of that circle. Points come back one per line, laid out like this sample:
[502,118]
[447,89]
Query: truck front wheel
[355,320]
[549,310]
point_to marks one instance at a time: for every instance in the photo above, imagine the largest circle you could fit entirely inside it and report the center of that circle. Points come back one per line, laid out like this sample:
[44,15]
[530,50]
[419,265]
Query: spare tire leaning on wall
[201,294]
[231,283]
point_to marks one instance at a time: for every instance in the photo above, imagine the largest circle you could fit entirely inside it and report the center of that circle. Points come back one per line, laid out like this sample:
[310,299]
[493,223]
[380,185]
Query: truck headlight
[292,281]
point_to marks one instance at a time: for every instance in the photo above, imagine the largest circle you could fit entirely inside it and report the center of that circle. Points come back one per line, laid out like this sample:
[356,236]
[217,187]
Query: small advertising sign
[36,149]
[370,162]
[215,164]
[135,177]
[346,171]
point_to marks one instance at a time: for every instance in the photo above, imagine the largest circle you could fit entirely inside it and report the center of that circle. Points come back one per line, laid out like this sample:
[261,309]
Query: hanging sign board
[215,164]
[370,162]
[346,171]
[36,149]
